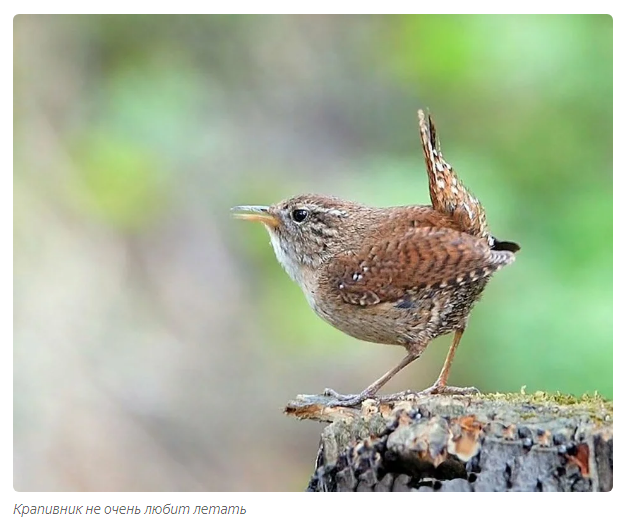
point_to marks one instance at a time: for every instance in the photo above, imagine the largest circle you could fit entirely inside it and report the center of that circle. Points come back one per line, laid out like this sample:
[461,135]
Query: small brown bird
[402,275]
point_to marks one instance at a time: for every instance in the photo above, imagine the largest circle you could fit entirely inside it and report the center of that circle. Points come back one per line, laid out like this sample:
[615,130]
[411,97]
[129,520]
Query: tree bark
[513,442]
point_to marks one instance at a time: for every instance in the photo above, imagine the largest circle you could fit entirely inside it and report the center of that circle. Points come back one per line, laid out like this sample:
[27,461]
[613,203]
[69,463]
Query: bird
[400,275]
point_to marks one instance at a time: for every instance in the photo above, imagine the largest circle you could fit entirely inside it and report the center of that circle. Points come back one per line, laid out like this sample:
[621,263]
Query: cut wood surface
[495,442]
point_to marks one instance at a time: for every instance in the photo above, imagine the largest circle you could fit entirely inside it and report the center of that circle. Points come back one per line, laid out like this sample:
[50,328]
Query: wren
[402,275]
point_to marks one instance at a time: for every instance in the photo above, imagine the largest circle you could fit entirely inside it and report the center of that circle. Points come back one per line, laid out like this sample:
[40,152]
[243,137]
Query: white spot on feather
[468,210]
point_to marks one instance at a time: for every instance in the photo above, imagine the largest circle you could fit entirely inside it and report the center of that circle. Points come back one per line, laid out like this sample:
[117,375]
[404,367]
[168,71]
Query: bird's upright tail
[447,192]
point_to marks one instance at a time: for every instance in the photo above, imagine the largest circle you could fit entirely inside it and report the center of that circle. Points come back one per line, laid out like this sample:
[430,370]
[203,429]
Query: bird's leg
[440,386]
[349,400]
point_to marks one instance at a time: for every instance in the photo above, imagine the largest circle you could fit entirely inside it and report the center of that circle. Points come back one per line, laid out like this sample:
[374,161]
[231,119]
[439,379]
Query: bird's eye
[299,215]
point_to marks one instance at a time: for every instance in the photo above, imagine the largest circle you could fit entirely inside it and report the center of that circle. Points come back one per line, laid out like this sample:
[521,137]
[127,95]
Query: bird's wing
[420,259]
[447,192]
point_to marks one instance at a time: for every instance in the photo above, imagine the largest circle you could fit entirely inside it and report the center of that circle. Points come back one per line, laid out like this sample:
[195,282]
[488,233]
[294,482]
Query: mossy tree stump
[494,442]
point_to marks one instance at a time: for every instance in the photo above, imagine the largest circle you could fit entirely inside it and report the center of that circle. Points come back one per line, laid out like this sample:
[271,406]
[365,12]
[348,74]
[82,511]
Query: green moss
[598,408]
[545,398]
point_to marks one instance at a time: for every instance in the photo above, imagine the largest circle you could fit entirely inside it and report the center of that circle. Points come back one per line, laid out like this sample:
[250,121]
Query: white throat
[289,263]
[295,269]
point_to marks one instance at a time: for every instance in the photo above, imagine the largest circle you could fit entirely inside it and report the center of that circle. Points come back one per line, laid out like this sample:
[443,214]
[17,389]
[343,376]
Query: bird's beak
[256,213]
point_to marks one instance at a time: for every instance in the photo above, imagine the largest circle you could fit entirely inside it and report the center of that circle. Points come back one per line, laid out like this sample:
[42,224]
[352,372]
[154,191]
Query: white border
[380,506]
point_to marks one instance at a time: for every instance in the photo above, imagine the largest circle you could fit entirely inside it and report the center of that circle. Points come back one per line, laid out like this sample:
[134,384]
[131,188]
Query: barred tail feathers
[447,192]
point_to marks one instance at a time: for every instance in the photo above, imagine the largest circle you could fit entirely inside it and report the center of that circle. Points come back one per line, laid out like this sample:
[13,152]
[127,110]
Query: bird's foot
[352,400]
[345,400]
[334,394]
[438,388]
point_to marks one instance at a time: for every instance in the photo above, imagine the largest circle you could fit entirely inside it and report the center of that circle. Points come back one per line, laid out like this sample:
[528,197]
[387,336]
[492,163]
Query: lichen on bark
[495,442]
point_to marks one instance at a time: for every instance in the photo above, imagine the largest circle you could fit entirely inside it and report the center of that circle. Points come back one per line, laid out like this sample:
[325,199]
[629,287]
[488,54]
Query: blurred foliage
[119,182]
[152,127]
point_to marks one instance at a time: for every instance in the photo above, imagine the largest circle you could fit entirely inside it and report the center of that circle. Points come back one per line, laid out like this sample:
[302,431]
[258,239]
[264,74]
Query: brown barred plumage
[401,275]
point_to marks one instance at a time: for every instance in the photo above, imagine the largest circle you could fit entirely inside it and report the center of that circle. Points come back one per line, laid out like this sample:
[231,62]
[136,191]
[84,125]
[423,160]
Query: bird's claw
[438,388]
[344,400]
[334,394]
[352,400]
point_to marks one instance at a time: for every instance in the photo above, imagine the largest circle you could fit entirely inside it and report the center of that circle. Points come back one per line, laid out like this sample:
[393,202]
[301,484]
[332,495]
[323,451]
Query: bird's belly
[416,318]
[381,324]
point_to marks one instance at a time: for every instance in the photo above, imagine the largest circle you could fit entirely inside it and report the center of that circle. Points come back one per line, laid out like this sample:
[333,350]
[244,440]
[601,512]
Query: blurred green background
[157,339]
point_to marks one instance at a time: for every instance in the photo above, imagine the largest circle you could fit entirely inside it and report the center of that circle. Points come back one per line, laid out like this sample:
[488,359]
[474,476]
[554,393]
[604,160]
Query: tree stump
[496,442]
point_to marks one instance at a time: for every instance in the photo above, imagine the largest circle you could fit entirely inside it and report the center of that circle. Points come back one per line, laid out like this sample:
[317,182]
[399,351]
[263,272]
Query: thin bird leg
[348,400]
[440,387]
[445,371]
